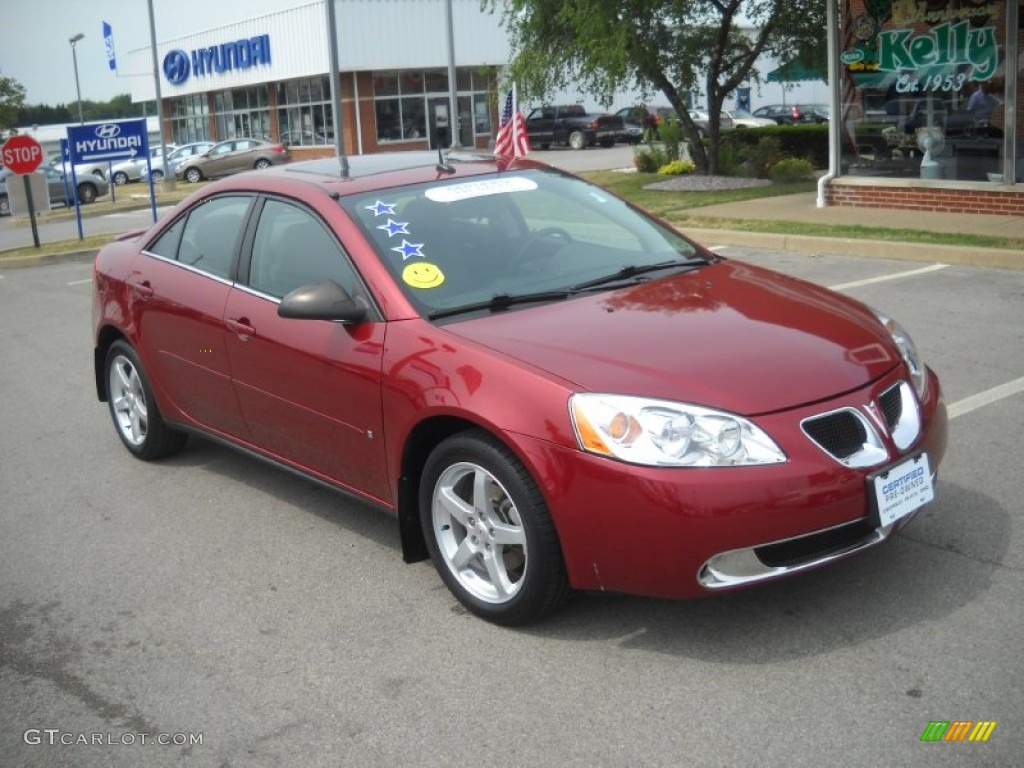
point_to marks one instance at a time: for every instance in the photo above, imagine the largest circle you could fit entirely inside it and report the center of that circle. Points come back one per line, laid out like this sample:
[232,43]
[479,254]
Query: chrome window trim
[188,267]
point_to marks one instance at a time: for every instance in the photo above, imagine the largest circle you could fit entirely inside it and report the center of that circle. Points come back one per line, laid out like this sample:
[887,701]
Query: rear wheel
[133,409]
[577,140]
[86,192]
[489,532]
[193,175]
[120,178]
[157,176]
[261,164]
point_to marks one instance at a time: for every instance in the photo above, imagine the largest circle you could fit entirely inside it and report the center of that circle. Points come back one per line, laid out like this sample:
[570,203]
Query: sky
[35,51]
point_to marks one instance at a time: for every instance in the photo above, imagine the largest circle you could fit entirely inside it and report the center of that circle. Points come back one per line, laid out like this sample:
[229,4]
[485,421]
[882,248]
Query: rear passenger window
[210,239]
[293,248]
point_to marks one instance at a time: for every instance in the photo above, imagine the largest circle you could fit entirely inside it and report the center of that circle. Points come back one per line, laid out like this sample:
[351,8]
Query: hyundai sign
[108,141]
[240,54]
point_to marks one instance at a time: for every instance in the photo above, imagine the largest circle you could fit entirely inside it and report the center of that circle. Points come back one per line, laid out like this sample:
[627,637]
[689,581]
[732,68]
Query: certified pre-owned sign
[239,54]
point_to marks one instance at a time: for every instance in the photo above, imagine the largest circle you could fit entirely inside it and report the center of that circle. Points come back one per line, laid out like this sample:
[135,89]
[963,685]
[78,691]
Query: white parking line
[884,278]
[80,282]
[974,402]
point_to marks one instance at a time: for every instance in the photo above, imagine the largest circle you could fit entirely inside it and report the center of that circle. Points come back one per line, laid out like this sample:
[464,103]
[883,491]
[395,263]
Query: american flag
[512,139]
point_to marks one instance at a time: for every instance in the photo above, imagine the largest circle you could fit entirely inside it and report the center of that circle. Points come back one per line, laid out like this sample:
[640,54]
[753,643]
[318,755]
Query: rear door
[179,286]
[309,389]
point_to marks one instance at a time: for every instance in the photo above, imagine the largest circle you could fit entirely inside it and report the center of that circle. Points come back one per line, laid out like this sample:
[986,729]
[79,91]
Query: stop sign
[22,154]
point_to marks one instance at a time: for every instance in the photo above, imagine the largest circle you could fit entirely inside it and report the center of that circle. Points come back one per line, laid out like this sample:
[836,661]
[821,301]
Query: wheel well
[108,335]
[421,441]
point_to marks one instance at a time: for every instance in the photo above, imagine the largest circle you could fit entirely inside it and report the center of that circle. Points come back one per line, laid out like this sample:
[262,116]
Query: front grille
[840,433]
[891,403]
[789,554]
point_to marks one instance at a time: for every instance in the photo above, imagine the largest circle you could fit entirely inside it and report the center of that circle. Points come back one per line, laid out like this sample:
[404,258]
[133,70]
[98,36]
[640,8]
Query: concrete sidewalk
[803,208]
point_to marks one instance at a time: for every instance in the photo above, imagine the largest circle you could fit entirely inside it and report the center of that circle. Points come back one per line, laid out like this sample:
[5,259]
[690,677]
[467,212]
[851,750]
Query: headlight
[665,433]
[908,350]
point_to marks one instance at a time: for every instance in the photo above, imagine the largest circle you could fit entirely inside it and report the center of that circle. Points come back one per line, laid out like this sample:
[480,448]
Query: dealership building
[268,77]
[925,93]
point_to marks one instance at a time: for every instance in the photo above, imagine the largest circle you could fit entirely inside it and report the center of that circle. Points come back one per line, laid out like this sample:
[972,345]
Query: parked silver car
[232,156]
[703,121]
[89,187]
[131,170]
[174,159]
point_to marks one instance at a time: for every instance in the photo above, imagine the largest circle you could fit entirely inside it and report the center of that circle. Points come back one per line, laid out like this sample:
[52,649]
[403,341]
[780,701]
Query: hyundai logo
[108,131]
[176,67]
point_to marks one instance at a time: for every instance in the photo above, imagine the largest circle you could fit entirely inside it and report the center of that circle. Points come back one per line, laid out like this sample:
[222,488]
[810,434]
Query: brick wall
[1002,202]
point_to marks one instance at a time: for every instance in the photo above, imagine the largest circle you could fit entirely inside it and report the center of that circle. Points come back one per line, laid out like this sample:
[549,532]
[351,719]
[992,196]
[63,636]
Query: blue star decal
[381,209]
[395,227]
[408,250]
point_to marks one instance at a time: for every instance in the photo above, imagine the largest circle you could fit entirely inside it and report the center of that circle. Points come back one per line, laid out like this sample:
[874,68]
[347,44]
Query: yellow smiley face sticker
[422,274]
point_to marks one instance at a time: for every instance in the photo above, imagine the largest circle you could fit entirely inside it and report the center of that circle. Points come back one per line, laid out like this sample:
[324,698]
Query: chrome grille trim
[908,427]
[868,453]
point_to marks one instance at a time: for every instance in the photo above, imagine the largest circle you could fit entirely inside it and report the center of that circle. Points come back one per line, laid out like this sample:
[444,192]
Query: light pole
[78,90]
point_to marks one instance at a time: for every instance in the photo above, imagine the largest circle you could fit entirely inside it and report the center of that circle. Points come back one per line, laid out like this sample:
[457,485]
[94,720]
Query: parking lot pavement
[208,598]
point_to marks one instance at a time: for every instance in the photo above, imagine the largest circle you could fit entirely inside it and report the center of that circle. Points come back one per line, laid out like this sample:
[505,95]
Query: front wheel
[193,175]
[120,178]
[157,177]
[86,193]
[577,140]
[489,532]
[133,408]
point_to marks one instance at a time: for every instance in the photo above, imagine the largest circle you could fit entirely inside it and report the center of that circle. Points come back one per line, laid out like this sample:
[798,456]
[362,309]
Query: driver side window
[292,248]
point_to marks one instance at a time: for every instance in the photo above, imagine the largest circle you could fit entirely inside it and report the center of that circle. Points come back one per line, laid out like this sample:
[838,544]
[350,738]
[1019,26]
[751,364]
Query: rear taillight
[594,125]
[278,148]
[796,112]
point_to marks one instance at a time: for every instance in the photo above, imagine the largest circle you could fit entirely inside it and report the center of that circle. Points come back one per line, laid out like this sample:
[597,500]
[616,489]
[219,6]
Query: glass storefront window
[189,118]
[304,116]
[923,89]
[412,105]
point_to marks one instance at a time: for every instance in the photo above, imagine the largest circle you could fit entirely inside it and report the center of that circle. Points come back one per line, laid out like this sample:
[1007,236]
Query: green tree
[672,47]
[12,97]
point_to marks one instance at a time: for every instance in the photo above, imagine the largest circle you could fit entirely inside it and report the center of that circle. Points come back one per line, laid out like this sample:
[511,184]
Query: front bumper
[684,532]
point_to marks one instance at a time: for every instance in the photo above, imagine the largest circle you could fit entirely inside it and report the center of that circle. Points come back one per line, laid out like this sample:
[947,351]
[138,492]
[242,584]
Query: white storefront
[268,76]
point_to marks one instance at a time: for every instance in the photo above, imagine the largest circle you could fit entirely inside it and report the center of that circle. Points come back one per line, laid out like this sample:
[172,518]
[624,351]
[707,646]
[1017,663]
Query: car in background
[741,118]
[703,121]
[127,171]
[175,158]
[81,169]
[89,188]
[477,345]
[232,156]
[641,119]
[794,114]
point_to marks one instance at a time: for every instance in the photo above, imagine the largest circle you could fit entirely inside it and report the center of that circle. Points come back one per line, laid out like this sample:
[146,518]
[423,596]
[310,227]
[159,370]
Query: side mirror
[322,301]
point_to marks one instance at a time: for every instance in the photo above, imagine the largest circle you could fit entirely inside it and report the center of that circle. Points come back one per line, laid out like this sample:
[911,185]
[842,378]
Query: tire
[120,178]
[193,175]
[261,164]
[86,192]
[5,206]
[133,408]
[157,176]
[499,555]
[577,140]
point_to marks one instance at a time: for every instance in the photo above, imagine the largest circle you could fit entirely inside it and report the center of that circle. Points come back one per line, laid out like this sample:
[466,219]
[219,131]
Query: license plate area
[899,490]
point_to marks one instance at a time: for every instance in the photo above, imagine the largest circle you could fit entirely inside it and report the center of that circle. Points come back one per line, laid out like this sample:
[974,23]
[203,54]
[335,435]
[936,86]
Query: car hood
[730,336]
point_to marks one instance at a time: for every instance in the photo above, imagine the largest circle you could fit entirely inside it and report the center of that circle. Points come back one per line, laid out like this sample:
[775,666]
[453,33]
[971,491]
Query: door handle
[241,327]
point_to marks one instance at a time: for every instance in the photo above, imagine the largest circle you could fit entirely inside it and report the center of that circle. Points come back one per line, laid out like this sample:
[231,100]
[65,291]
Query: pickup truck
[574,126]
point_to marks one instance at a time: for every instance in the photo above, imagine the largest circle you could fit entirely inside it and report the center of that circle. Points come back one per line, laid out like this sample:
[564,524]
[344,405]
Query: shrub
[677,168]
[759,158]
[810,141]
[791,170]
[649,159]
[671,133]
[729,161]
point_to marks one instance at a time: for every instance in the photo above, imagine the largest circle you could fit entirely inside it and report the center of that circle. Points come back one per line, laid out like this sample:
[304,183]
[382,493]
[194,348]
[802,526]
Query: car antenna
[443,166]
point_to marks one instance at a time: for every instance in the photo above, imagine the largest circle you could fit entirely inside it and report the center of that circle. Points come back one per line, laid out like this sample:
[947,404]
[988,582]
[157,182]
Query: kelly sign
[946,44]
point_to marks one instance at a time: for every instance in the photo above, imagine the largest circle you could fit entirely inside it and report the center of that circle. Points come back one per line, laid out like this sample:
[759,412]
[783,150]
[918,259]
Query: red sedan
[553,390]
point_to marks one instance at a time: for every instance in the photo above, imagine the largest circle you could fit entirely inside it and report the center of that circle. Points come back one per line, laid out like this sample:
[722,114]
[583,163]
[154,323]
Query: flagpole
[512,117]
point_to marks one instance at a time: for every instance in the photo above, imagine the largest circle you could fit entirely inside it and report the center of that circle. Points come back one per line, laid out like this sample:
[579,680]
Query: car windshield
[462,242]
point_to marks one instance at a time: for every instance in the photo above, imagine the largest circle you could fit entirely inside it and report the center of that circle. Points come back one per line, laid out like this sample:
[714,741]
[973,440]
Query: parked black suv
[792,114]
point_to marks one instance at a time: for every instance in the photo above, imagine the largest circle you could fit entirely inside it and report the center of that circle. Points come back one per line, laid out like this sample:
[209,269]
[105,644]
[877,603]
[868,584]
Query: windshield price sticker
[903,489]
[455,192]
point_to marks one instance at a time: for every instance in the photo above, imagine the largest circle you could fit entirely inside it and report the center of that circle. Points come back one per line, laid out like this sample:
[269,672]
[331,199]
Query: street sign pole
[23,155]
[31,211]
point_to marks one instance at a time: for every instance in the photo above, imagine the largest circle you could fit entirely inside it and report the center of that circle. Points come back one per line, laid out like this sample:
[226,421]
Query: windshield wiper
[501,301]
[633,270]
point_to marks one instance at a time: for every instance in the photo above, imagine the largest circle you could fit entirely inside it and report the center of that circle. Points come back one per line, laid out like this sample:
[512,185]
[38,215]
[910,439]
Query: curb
[880,249]
[50,258]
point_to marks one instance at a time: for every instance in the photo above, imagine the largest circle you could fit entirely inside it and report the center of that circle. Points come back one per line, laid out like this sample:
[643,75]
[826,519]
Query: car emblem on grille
[108,130]
[876,416]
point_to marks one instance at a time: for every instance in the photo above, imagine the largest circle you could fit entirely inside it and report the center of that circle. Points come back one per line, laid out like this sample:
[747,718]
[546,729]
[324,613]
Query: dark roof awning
[797,71]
